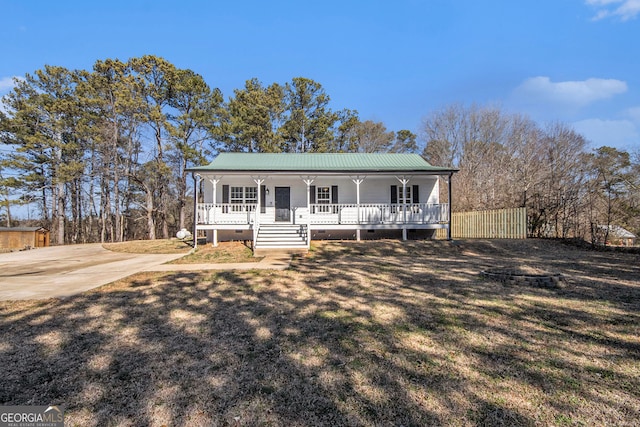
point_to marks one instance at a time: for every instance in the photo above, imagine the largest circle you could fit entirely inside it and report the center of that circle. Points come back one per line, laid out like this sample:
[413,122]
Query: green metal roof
[319,162]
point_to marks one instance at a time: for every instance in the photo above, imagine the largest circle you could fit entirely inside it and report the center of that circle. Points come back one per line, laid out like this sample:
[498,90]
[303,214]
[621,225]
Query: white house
[284,200]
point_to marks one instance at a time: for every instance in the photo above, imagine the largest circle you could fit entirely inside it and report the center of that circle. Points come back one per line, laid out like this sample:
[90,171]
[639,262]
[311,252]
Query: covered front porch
[369,214]
[300,204]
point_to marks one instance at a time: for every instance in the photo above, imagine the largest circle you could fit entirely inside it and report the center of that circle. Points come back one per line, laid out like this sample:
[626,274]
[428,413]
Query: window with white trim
[242,196]
[251,197]
[403,197]
[323,197]
[406,197]
[236,198]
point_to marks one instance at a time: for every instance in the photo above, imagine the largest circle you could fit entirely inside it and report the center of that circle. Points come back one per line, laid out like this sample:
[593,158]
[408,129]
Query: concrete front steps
[281,238]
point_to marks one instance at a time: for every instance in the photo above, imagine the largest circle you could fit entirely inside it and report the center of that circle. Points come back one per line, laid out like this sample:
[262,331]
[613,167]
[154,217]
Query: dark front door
[283,204]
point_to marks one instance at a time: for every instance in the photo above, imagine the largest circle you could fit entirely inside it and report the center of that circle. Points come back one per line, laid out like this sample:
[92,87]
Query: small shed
[23,237]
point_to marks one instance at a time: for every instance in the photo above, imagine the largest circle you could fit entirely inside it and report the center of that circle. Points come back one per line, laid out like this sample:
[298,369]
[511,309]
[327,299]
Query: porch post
[308,181]
[358,180]
[259,181]
[256,214]
[214,181]
[195,209]
[404,182]
[404,210]
[450,205]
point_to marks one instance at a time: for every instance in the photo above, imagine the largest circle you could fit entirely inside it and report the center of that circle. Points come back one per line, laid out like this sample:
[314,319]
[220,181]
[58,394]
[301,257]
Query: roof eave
[322,172]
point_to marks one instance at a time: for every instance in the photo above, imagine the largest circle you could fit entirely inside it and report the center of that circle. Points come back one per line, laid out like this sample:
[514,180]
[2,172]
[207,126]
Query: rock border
[513,277]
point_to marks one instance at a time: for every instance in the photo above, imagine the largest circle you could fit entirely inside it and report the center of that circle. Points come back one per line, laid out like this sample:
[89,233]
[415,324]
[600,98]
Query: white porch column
[256,214]
[404,181]
[358,180]
[259,181]
[214,181]
[196,184]
[308,181]
[450,205]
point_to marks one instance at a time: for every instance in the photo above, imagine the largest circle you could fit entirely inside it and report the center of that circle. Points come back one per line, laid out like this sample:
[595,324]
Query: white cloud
[623,9]
[622,134]
[6,84]
[570,93]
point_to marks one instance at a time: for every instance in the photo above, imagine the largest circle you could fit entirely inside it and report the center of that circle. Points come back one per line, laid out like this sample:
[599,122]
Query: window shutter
[312,194]
[416,194]
[334,197]
[263,199]
[225,194]
[394,194]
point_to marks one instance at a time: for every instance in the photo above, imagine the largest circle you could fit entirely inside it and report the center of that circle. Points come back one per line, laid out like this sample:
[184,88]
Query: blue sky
[574,61]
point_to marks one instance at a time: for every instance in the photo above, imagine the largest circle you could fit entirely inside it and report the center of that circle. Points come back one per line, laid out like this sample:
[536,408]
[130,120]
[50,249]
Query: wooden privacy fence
[493,224]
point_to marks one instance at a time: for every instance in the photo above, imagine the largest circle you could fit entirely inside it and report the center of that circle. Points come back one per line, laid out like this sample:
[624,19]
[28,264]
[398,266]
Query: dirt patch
[355,333]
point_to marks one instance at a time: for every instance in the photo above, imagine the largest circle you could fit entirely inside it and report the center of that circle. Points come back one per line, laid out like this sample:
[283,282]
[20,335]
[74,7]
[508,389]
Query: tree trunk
[165,224]
[151,225]
[104,209]
[116,185]
[45,208]
[162,188]
[182,185]
[61,213]
[8,210]
[75,212]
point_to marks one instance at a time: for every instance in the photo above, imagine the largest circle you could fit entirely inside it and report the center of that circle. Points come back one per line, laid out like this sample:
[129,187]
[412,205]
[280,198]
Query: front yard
[226,252]
[370,333]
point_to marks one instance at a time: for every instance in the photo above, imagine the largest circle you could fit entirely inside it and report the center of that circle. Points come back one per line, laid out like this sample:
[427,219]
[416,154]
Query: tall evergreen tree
[43,112]
[114,106]
[373,137]
[406,142]
[157,78]
[255,114]
[346,134]
[611,183]
[309,124]
[193,118]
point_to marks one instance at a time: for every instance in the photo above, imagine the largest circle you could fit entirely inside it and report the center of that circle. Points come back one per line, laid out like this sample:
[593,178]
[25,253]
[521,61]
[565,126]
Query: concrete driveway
[61,271]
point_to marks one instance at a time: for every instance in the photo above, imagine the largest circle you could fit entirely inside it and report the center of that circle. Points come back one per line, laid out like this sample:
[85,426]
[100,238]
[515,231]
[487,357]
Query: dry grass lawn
[370,333]
[225,252]
[159,246]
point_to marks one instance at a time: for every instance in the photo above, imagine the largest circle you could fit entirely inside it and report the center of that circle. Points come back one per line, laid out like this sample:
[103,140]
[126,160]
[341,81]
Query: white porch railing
[331,214]
[379,213]
[225,213]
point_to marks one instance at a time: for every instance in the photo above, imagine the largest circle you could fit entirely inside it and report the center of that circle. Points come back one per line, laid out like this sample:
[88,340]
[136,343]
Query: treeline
[103,153]
[508,160]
